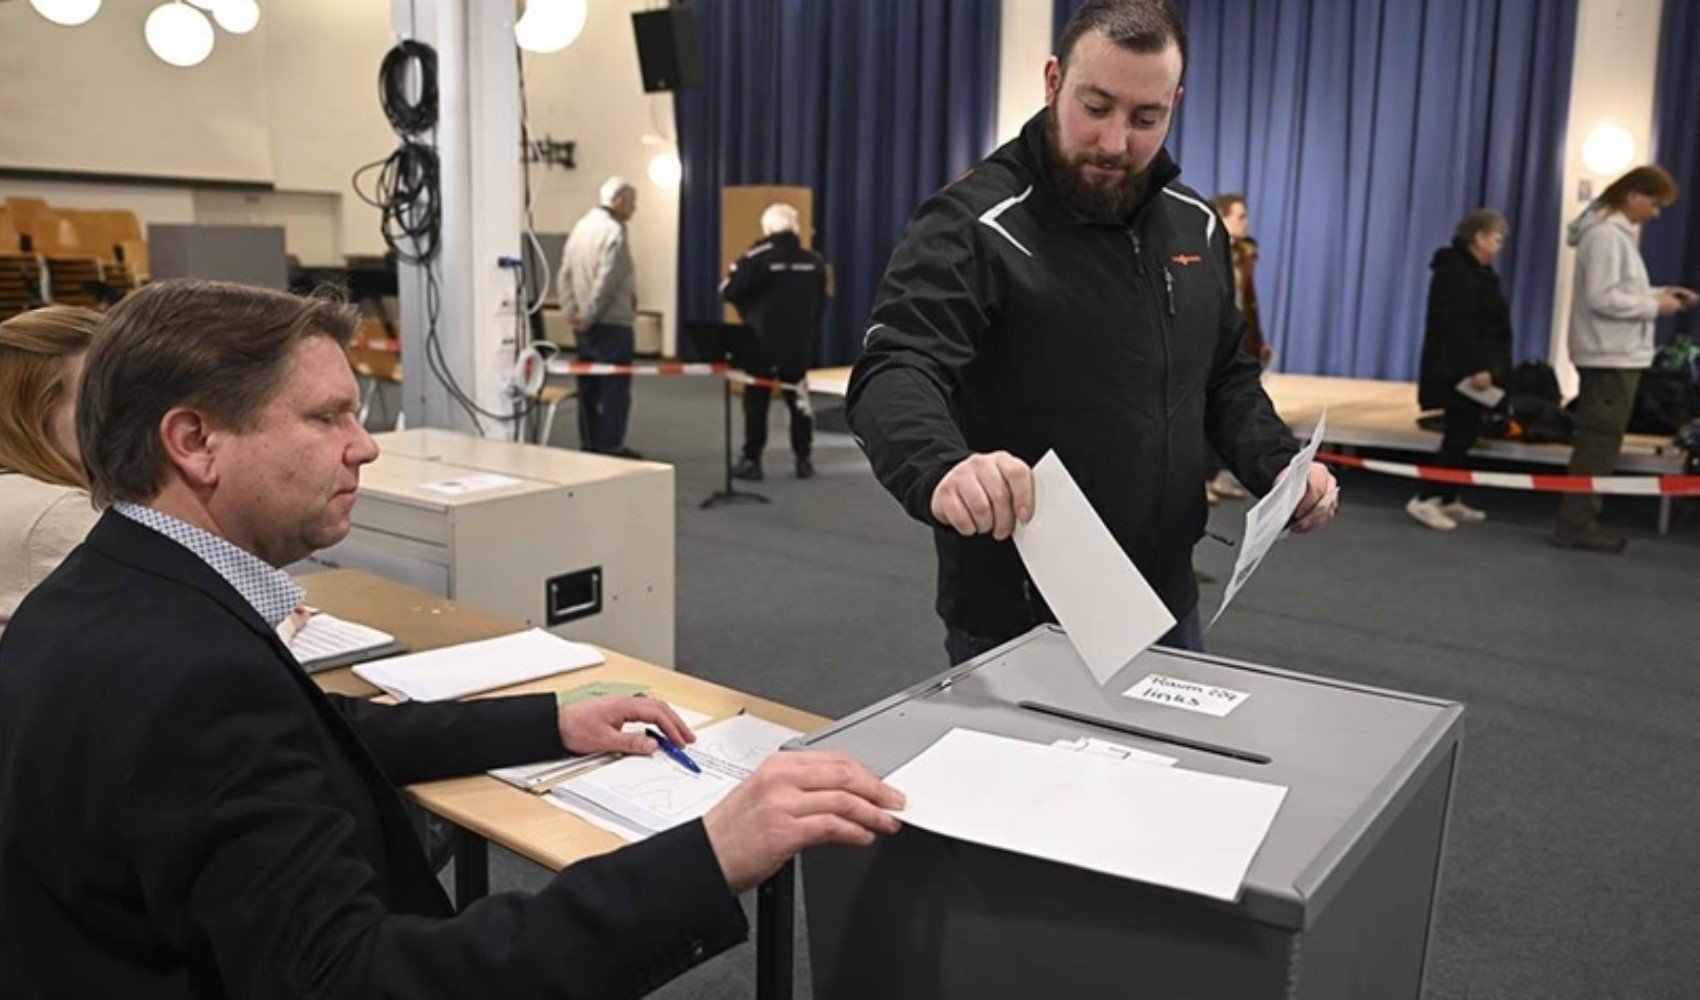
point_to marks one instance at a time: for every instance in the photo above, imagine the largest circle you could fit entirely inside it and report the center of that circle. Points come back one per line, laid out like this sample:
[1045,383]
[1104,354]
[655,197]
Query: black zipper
[1169,289]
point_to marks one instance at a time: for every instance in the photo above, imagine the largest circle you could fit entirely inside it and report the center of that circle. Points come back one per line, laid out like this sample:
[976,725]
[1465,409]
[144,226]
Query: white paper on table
[457,671]
[482,482]
[650,794]
[1166,826]
[539,776]
[1267,518]
[1108,610]
[1488,397]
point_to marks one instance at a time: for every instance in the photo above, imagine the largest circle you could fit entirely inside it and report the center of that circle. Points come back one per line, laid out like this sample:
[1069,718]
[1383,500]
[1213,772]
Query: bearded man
[1068,294]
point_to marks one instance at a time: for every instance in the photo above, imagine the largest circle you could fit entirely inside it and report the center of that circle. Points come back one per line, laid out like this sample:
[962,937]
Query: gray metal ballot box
[1337,904]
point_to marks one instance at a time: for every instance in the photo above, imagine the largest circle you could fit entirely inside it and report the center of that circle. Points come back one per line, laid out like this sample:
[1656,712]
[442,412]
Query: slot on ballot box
[1337,900]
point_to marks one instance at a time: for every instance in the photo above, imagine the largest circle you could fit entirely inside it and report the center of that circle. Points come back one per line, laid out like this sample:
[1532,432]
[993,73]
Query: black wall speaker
[667,48]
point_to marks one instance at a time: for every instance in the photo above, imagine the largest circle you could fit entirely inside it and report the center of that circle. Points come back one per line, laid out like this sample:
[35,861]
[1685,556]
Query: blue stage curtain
[1360,131]
[1672,244]
[873,104]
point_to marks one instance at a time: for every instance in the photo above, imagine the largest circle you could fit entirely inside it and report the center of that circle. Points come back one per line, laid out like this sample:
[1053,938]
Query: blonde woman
[44,501]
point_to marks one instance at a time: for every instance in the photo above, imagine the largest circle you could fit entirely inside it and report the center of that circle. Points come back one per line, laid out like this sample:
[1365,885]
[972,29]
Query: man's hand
[1687,296]
[578,324]
[1320,502]
[797,800]
[593,725]
[1671,303]
[985,494]
[1482,380]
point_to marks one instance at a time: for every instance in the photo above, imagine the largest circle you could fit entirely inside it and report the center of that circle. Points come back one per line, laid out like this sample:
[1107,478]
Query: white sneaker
[1428,513]
[1463,513]
[1226,487]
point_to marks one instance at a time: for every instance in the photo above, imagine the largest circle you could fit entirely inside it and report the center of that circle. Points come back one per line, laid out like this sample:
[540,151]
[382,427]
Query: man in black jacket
[779,287]
[1066,294]
[184,813]
[1467,335]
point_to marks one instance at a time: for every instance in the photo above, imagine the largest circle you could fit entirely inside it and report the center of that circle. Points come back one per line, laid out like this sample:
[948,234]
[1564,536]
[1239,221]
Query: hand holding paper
[985,494]
[1110,612]
[1265,521]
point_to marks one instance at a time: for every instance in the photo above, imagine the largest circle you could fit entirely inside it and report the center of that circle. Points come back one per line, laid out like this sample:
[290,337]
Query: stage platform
[1370,413]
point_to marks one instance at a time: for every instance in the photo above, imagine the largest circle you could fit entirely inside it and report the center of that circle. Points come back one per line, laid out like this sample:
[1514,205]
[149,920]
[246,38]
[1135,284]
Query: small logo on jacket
[1186,259]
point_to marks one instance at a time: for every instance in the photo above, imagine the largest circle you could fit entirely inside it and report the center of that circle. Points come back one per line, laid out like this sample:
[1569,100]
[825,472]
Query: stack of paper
[1166,826]
[544,775]
[327,641]
[457,671]
[639,796]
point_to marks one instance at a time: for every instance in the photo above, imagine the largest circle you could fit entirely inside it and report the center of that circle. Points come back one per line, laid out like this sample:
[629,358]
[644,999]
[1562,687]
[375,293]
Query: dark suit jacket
[184,813]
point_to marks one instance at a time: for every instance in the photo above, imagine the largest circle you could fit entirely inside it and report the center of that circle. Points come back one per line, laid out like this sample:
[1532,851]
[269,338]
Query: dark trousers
[756,399]
[604,401]
[1602,415]
[963,646]
[1462,430]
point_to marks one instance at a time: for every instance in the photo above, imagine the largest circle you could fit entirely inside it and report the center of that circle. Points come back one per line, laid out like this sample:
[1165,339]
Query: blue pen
[672,750]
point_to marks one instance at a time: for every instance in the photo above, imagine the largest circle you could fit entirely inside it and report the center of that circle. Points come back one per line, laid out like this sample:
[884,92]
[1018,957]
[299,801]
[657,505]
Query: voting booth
[1337,902]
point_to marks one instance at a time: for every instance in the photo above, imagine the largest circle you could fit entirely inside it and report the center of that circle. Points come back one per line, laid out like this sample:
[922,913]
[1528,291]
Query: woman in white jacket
[44,500]
[1611,338]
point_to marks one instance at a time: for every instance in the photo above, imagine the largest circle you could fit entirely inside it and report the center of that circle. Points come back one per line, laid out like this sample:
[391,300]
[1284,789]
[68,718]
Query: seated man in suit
[184,813]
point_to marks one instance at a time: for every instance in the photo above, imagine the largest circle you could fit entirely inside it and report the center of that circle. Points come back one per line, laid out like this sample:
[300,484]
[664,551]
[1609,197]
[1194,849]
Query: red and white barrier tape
[1641,486]
[673,368]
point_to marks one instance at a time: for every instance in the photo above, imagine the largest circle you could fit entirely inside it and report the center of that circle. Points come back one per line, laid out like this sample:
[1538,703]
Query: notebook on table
[327,642]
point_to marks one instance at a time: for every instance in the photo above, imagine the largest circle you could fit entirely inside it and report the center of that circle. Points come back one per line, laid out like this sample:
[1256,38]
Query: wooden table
[484,809]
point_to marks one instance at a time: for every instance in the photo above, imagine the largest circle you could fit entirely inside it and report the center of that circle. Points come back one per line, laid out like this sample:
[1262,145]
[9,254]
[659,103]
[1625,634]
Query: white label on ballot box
[1176,692]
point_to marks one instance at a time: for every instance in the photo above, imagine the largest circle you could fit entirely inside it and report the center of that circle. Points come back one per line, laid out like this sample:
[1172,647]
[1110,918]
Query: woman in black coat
[1467,337]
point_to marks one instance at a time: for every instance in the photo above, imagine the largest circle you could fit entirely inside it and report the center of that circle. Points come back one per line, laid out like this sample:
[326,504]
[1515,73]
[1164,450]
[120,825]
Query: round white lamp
[550,25]
[665,170]
[1608,150]
[70,13]
[237,16]
[179,34]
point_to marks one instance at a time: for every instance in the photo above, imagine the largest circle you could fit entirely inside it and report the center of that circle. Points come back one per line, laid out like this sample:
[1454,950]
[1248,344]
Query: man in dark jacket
[1066,294]
[779,287]
[1467,336]
[184,813]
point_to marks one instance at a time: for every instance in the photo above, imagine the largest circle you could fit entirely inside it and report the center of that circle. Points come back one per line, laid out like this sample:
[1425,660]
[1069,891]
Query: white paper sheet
[1488,397]
[1108,610]
[482,482]
[1166,826]
[1267,518]
[637,796]
[457,671]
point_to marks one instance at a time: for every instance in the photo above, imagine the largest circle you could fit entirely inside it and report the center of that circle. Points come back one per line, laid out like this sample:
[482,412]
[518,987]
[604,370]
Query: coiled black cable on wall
[409,116]
[408,192]
[408,196]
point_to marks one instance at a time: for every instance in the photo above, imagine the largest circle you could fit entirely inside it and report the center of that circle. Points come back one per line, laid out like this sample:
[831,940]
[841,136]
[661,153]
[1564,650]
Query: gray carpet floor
[1571,863]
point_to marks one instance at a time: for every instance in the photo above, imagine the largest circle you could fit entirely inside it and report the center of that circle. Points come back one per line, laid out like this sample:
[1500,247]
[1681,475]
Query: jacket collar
[145,549]
[1035,151]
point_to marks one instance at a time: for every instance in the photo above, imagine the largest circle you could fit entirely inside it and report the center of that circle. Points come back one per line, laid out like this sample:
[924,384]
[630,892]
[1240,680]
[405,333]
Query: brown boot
[1595,539]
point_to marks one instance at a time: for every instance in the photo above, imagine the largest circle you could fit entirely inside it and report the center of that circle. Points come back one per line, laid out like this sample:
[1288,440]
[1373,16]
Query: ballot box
[1337,904]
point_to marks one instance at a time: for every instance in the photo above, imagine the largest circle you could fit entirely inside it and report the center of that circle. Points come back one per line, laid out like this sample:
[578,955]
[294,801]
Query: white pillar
[477,140]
